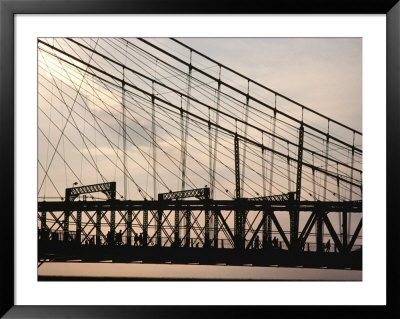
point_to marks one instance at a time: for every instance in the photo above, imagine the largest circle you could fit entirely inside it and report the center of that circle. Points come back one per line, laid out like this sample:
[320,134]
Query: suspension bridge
[151,151]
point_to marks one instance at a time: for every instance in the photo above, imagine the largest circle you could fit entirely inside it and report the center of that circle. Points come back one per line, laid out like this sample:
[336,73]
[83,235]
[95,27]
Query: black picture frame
[8,10]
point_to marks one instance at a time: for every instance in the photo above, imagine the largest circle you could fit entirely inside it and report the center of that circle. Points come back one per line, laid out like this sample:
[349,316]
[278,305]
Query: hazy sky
[324,74]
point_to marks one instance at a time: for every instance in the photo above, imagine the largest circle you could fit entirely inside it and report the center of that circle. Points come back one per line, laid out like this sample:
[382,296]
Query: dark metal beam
[344,230]
[279,228]
[271,198]
[109,189]
[306,226]
[45,206]
[145,227]
[201,193]
[129,229]
[78,226]
[355,235]
[319,225]
[216,228]
[227,228]
[308,231]
[262,223]
[98,227]
[332,233]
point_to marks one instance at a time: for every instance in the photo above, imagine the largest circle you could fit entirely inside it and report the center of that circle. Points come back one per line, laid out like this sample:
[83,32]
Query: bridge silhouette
[152,151]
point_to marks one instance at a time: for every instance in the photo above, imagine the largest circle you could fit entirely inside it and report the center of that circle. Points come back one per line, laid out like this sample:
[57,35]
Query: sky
[324,74]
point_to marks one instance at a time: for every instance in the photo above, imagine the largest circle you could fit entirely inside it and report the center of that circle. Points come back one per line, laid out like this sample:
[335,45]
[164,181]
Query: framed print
[162,154]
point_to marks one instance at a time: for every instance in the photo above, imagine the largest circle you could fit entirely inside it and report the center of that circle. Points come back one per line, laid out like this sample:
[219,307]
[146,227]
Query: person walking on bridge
[257,243]
[328,245]
[136,239]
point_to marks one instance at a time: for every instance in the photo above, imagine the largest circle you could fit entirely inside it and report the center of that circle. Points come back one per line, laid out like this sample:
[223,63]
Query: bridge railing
[223,243]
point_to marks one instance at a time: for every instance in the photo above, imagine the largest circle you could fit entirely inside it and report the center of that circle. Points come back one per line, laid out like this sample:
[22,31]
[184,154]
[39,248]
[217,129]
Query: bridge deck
[255,257]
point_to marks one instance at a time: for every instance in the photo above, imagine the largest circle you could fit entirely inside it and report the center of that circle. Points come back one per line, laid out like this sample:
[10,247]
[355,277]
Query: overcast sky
[324,74]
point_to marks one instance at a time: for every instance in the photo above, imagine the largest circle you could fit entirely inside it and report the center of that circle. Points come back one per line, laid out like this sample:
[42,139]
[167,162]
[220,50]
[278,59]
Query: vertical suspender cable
[338,196]
[313,177]
[326,176]
[153,136]
[245,135]
[263,167]
[351,186]
[288,170]
[210,162]
[271,172]
[185,125]
[326,162]
[212,182]
[124,133]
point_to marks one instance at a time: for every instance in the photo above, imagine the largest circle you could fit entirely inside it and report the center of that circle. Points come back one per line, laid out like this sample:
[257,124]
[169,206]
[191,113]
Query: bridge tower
[294,213]
[240,213]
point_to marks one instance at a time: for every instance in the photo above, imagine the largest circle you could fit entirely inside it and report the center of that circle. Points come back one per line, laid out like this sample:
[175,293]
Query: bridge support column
[240,220]
[112,228]
[319,225]
[176,229]
[145,227]
[345,235]
[129,229]
[43,225]
[207,228]
[239,213]
[78,238]
[66,225]
[44,234]
[159,225]
[215,228]
[98,228]
[294,225]
[294,212]
[266,229]
[188,226]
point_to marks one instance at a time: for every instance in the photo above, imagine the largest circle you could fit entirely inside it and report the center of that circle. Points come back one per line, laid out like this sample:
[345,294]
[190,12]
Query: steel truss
[203,219]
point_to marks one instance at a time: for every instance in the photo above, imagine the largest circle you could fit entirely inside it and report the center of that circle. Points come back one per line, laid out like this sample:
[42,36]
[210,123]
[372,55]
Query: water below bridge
[138,271]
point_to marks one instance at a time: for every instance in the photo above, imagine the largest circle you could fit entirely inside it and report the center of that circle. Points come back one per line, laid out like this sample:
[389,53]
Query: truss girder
[349,206]
[109,189]
[78,213]
[272,198]
[201,193]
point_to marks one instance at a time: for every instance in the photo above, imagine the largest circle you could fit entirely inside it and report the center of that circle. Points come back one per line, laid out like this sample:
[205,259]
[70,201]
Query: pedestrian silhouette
[257,243]
[109,238]
[119,237]
[140,238]
[136,239]
[275,242]
[328,245]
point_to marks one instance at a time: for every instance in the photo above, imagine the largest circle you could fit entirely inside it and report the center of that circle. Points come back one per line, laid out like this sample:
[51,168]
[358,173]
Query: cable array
[156,116]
